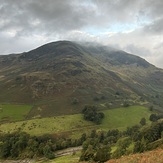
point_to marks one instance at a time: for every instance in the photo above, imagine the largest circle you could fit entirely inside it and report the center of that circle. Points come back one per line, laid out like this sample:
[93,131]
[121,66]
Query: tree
[153,117]
[151,108]
[102,154]
[122,146]
[93,134]
[75,101]
[153,133]
[143,121]
[83,138]
[132,130]
[5,149]
[124,142]
[140,146]
[91,114]
[48,153]
[126,104]
[88,154]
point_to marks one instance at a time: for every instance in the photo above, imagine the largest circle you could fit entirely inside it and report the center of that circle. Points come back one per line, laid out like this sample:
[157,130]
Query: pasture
[124,117]
[12,112]
[75,125]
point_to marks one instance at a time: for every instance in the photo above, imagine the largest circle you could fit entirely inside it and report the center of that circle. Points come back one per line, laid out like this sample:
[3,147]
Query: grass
[64,159]
[75,125]
[121,118]
[51,125]
[11,112]
[68,159]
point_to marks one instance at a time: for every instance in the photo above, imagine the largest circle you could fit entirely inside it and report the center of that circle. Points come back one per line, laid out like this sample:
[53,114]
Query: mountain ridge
[54,75]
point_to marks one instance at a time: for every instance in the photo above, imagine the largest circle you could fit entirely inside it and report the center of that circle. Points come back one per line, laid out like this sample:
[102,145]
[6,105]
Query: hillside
[146,157]
[61,77]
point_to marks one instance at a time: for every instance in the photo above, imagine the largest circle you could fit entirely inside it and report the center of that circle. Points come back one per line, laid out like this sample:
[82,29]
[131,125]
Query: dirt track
[68,151]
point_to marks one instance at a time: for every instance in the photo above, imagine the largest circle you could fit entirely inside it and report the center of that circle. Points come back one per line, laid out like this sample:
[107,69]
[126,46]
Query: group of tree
[97,146]
[155,117]
[22,145]
[91,114]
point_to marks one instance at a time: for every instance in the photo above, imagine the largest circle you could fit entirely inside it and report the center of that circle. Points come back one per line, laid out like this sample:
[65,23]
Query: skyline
[134,26]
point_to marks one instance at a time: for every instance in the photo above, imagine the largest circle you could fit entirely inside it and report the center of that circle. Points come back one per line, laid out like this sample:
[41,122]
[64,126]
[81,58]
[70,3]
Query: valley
[44,91]
[73,126]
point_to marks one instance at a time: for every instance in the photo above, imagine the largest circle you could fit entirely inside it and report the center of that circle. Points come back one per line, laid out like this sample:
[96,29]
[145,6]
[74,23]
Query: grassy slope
[146,157]
[67,159]
[75,125]
[122,118]
[47,125]
[13,112]
[154,156]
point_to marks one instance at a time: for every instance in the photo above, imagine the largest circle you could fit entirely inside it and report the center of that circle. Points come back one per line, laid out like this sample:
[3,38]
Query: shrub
[143,121]
[75,101]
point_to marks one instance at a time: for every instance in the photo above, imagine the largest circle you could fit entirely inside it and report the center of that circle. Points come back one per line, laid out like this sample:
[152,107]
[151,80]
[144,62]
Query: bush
[151,108]
[102,154]
[125,104]
[96,99]
[75,101]
[143,121]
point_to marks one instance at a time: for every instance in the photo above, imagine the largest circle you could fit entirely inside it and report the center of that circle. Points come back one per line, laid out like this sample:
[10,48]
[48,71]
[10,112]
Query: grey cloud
[154,7]
[40,15]
[156,27]
[118,10]
[159,61]
[159,46]
[26,24]
[51,16]
[137,50]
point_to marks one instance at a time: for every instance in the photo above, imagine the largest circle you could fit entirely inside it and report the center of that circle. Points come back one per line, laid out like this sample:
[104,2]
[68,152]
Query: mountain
[62,77]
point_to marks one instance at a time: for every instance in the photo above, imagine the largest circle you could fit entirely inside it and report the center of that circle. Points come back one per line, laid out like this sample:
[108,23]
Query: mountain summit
[61,77]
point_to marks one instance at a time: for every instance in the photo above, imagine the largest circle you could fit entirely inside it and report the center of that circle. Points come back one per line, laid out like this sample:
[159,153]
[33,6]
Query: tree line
[20,145]
[96,146]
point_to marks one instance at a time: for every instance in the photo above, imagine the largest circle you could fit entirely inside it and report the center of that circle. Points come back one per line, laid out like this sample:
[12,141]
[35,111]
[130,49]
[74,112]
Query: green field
[11,112]
[71,158]
[68,158]
[58,124]
[75,125]
[121,118]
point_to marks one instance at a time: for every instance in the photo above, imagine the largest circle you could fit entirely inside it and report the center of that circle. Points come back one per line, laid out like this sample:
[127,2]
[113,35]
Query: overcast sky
[135,26]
